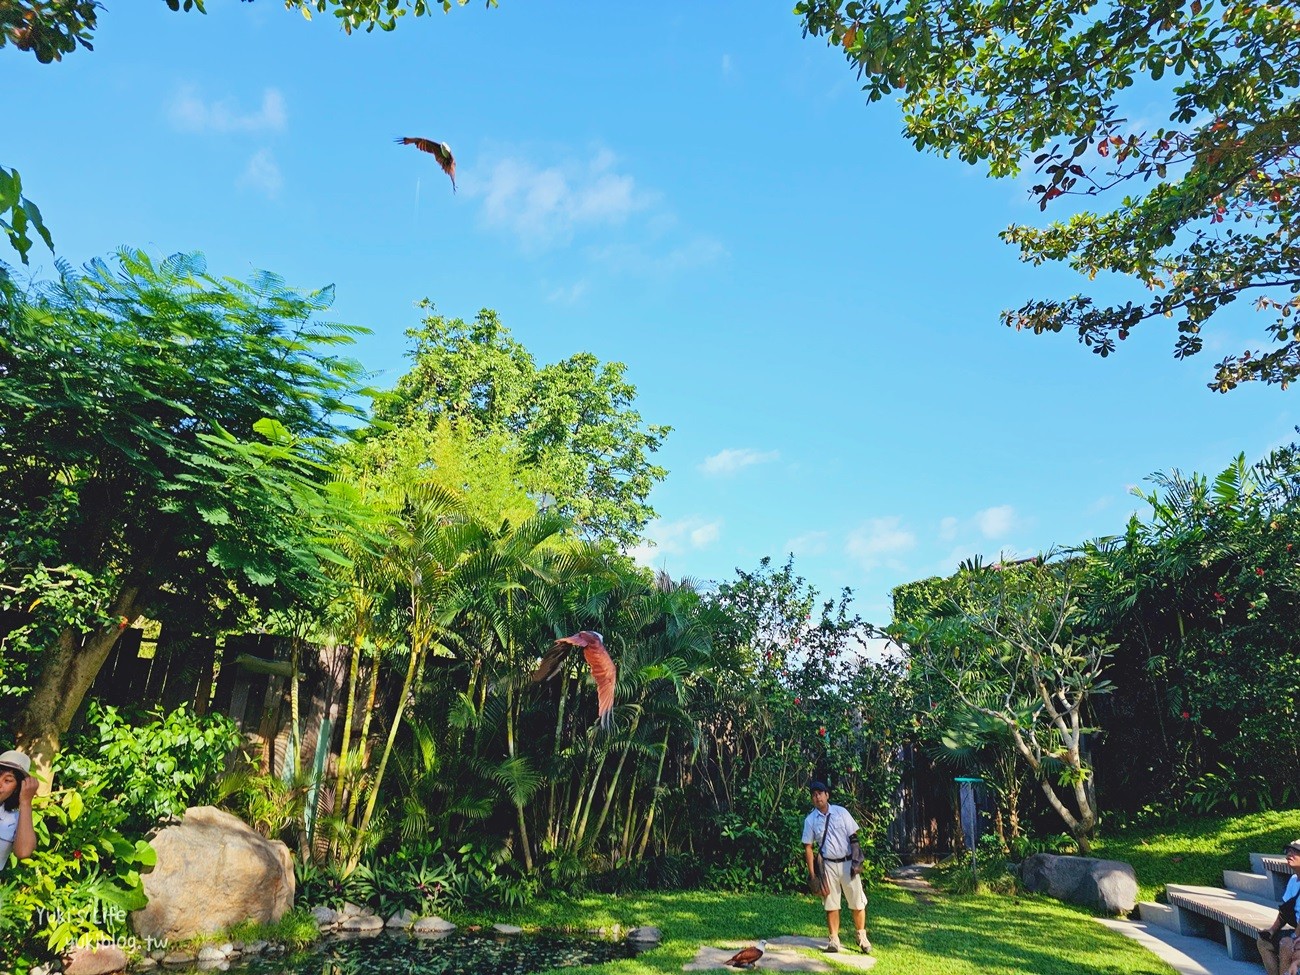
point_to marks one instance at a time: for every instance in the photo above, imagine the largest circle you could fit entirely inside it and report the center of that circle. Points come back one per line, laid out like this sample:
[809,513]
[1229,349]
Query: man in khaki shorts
[828,830]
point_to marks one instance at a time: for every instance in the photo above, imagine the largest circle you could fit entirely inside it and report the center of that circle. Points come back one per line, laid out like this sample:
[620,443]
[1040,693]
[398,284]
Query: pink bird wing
[605,674]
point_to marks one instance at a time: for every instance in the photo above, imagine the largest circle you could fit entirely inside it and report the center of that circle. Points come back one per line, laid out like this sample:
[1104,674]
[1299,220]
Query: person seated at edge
[1279,954]
[828,830]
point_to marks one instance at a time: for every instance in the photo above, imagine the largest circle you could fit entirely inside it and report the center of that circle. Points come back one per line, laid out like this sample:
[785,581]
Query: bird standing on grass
[747,957]
[602,668]
[439,150]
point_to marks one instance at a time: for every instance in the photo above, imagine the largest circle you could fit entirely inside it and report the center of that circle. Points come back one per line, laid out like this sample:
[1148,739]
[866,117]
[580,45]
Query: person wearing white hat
[1278,951]
[17,787]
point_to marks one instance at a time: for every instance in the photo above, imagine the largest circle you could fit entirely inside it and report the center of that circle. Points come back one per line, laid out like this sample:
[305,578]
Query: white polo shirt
[842,826]
[8,830]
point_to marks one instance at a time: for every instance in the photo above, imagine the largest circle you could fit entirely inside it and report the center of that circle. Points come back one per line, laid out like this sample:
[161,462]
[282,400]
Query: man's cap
[16,761]
[817,785]
[1293,845]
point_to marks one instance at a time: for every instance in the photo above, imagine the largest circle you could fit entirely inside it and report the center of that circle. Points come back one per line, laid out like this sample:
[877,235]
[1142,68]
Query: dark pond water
[453,954]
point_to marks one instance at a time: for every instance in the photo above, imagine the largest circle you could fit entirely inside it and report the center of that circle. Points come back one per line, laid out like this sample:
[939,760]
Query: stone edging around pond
[354,920]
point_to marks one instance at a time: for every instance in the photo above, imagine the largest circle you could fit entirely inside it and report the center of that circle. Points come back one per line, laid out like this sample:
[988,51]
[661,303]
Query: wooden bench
[1213,912]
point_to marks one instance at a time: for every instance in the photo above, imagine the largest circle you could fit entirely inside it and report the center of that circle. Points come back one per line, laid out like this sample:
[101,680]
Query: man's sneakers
[864,944]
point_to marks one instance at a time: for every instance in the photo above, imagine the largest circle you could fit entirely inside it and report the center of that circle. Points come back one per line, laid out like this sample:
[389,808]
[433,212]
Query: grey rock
[179,958]
[362,922]
[645,934]
[145,963]
[352,910]
[402,919]
[326,917]
[432,925]
[507,929]
[1108,886]
[255,947]
[209,953]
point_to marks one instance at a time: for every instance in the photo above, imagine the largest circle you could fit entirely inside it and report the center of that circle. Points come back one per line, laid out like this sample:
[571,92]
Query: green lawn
[1197,851]
[954,935]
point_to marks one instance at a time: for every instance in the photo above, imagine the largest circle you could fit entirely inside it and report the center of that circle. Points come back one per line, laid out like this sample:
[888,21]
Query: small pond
[453,954]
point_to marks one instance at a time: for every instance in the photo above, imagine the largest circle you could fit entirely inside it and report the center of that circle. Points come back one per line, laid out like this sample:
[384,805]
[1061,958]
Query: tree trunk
[61,686]
[363,741]
[354,666]
[354,856]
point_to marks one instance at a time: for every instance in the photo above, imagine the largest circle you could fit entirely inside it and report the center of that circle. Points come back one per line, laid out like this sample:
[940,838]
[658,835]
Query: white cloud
[640,259]
[876,541]
[544,206]
[263,174]
[996,522]
[705,535]
[192,113]
[948,529]
[731,460]
[622,225]
[664,538]
[1101,504]
[809,543]
[568,295]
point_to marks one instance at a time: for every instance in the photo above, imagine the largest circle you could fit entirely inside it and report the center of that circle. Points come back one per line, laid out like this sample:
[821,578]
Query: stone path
[788,953]
[914,878]
[1185,955]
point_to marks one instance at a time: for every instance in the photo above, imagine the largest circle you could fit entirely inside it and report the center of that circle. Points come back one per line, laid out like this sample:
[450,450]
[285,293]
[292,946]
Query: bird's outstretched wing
[605,674]
[599,662]
[552,660]
[439,150]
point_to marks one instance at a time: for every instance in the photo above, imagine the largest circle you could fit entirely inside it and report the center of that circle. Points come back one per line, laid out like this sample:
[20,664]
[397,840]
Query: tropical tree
[162,431]
[794,697]
[1207,202]
[571,425]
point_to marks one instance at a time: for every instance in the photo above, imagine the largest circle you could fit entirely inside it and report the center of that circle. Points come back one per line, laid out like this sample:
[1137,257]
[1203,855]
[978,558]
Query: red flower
[1259,572]
[1288,546]
[797,700]
[1186,715]
[822,731]
[76,855]
[1218,597]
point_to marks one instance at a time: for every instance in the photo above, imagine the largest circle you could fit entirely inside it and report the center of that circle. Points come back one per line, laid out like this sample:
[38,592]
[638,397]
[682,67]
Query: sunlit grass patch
[954,935]
[1197,851]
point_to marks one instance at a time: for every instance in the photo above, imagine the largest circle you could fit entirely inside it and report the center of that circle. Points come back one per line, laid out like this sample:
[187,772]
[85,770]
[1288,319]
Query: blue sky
[693,189]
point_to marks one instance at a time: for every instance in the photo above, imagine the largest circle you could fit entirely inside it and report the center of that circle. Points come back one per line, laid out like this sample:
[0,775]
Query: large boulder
[1108,886]
[213,872]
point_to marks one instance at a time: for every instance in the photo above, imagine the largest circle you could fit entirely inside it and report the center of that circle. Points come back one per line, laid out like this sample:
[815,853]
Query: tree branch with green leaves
[1211,204]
